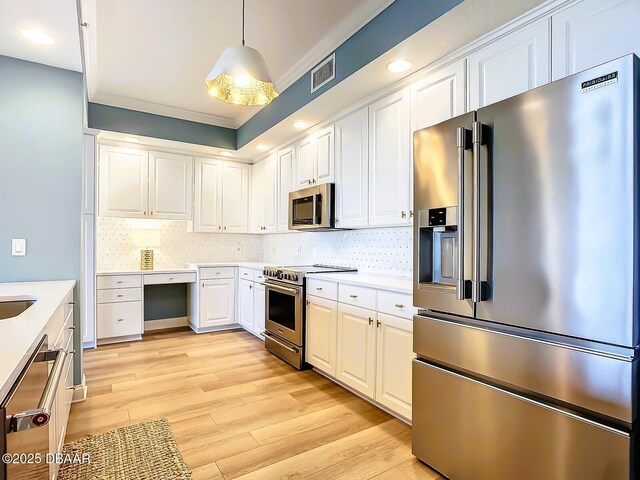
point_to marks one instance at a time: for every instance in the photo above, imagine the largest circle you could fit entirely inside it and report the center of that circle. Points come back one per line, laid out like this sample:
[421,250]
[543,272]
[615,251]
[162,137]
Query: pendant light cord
[243,23]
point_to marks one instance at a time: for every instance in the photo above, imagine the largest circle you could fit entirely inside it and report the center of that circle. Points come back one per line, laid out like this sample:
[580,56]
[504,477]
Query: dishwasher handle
[40,416]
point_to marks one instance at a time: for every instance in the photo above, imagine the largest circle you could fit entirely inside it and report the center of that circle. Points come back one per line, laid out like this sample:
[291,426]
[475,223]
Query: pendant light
[240,76]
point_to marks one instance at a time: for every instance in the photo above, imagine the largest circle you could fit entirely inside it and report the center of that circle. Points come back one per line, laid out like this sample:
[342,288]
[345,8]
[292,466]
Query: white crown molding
[164,110]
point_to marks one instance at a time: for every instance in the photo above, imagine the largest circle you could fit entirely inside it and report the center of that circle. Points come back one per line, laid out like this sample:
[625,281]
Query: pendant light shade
[240,76]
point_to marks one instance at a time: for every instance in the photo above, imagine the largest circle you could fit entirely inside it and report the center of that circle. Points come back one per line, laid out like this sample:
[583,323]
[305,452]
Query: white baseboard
[126,338]
[80,391]
[150,325]
[233,326]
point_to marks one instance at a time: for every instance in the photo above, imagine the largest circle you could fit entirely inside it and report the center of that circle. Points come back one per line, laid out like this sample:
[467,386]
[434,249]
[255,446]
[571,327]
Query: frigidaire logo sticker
[600,81]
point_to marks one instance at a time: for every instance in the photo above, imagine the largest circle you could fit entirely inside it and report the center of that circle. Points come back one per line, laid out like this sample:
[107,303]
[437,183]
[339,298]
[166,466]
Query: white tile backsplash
[385,250]
[116,250]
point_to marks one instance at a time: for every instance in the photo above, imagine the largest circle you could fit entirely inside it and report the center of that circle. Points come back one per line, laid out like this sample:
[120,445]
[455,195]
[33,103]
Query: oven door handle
[286,289]
[273,339]
[40,416]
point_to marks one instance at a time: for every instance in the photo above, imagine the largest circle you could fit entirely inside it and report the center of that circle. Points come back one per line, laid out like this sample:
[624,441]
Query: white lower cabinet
[119,315]
[364,349]
[356,348]
[258,308]
[394,353]
[245,304]
[217,302]
[321,325]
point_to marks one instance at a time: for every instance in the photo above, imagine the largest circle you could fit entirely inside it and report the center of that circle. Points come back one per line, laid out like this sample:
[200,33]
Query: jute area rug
[145,451]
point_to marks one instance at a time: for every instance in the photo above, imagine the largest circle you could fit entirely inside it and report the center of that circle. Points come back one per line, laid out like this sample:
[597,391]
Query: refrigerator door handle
[464,139]
[479,288]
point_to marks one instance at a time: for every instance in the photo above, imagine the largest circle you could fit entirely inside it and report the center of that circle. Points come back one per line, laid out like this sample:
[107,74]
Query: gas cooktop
[295,273]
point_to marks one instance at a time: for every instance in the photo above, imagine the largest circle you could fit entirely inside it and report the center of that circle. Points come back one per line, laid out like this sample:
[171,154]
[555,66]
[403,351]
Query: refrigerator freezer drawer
[471,431]
[589,380]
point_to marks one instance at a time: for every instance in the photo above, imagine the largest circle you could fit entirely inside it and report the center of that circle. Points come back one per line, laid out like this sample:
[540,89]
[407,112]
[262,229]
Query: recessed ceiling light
[132,139]
[301,124]
[39,36]
[398,66]
[224,153]
[263,148]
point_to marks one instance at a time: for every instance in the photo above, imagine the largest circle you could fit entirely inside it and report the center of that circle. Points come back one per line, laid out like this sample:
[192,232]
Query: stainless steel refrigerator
[526,276]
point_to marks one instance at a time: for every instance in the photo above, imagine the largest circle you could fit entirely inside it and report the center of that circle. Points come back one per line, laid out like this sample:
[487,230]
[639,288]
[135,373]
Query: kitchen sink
[14,307]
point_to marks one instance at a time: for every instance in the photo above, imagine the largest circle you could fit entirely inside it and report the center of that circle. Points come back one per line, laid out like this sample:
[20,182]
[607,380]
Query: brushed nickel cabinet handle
[404,214]
[353,296]
[370,321]
[378,323]
[121,319]
[71,352]
[399,305]
[72,327]
[318,288]
[72,302]
[119,296]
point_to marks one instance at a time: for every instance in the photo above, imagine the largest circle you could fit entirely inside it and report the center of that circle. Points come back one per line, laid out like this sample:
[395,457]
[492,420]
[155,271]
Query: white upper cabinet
[305,160]
[170,186]
[390,161]
[235,197]
[511,65]
[439,96]
[256,215]
[285,185]
[324,168]
[592,32]
[352,170]
[314,159]
[208,195]
[270,202]
[123,182]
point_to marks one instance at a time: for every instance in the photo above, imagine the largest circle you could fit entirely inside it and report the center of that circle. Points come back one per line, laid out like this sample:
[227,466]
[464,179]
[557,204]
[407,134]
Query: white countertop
[187,269]
[19,335]
[251,265]
[392,283]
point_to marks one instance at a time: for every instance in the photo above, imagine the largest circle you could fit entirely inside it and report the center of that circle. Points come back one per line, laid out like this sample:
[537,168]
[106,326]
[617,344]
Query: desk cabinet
[217,302]
[119,309]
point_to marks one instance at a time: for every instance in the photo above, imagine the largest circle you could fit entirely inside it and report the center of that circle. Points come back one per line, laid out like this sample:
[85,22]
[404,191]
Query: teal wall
[115,119]
[40,172]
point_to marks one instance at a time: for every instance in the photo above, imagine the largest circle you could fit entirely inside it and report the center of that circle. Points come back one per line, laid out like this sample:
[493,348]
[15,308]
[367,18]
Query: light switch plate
[19,247]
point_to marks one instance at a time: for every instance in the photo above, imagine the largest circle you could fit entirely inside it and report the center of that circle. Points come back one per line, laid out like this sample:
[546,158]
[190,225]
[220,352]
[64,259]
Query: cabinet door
[124,176]
[305,162]
[324,164]
[438,96]
[217,299]
[389,161]
[235,197]
[511,65]
[285,185]
[356,348]
[270,202]
[256,214]
[352,170]
[171,186]
[245,304]
[394,354]
[208,204]
[592,32]
[258,308]
[322,325]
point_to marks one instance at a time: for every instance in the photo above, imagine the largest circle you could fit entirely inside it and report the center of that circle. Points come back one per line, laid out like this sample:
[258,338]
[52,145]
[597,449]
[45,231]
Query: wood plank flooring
[237,411]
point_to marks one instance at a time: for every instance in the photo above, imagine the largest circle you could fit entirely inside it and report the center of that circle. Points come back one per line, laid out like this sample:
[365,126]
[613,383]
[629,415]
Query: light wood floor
[237,411]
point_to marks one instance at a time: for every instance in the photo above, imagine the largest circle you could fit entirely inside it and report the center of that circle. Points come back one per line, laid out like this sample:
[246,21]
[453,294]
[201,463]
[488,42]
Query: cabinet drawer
[165,278]
[119,319]
[322,289]
[246,274]
[119,295]
[211,273]
[360,296]
[65,333]
[398,304]
[118,281]
[258,276]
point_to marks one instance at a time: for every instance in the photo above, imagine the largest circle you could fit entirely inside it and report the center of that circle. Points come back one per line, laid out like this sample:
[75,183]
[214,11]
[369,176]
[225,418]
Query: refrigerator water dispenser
[437,246]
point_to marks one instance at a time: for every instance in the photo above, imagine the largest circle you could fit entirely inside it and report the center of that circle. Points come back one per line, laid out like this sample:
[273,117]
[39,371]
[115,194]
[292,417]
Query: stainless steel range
[285,312]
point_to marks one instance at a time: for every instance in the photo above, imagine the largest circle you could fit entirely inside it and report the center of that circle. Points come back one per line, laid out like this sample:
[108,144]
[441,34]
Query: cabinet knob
[250,287]
[151,213]
[144,213]
[308,303]
[225,227]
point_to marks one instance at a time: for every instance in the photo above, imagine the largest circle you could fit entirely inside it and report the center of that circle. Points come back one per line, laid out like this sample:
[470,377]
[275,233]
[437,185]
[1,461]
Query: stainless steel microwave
[312,208]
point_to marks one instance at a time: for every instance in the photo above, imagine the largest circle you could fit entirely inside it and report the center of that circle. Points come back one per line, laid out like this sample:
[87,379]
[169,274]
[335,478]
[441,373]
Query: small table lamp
[145,239]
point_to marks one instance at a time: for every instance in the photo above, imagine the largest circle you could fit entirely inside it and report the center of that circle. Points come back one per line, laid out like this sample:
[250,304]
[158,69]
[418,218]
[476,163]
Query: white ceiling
[153,55]
[58,18]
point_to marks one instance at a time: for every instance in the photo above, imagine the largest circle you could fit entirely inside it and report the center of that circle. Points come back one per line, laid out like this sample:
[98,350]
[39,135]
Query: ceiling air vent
[323,73]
